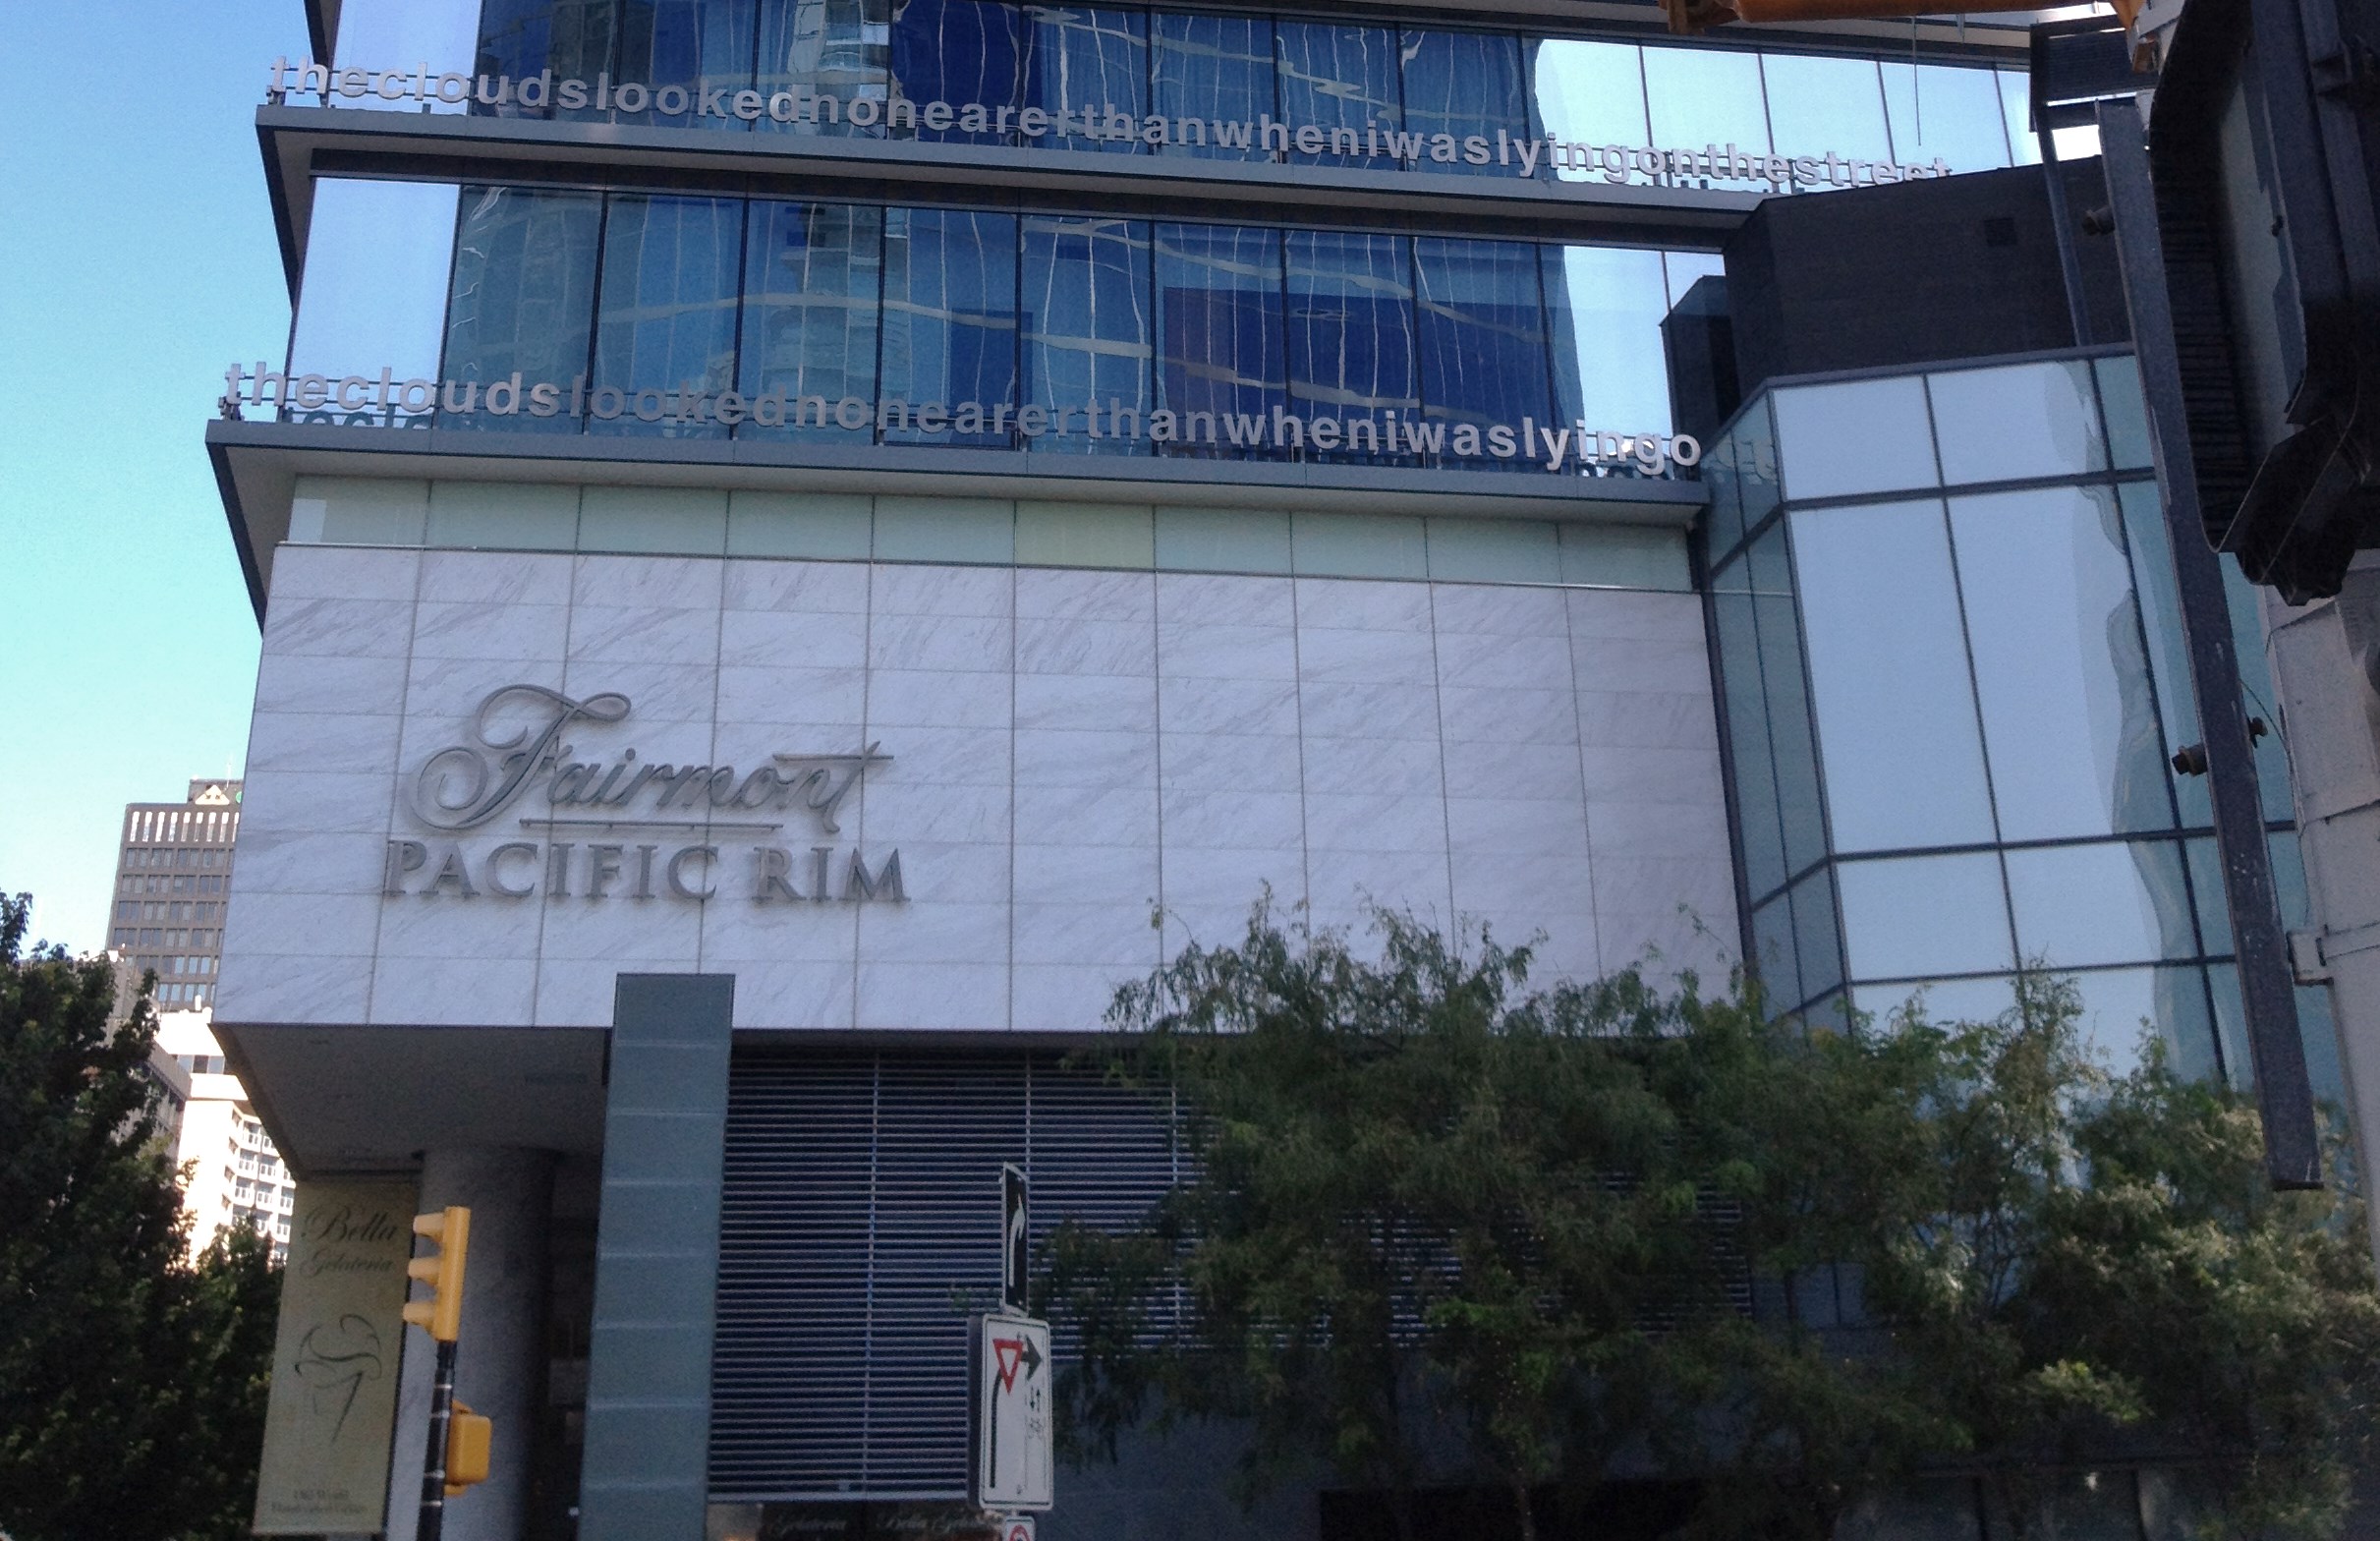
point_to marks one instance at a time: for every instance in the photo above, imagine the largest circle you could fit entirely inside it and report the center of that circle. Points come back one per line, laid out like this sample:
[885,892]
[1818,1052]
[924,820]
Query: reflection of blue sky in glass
[1818,106]
[377,257]
[1609,303]
[1698,97]
[667,314]
[1215,67]
[1086,325]
[2108,902]
[1940,111]
[1916,916]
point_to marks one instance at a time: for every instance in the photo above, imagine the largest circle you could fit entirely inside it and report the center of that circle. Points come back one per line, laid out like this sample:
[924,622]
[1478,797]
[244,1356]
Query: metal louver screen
[860,1217]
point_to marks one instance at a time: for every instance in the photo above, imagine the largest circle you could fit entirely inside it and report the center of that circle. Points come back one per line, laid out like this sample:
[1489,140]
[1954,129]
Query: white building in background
[232,1171]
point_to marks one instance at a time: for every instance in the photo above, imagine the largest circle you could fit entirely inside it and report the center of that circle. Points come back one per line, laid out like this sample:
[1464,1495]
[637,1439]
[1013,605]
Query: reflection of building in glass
[173,870]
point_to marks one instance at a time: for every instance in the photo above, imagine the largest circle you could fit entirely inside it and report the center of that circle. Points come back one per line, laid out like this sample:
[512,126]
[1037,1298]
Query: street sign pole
[433,1523]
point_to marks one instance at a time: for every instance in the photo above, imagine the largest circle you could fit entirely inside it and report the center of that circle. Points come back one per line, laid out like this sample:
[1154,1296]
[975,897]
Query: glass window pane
[1684,269]
[2153,587]
[1590,93]
[377,255]
[1820,107]
[2171,1002]
[1702,96]
[1759,837]
[1941,1000]
[1889,673]
[1756,468]
[1723,521]
[1223,541]
[2068,715]
[1467,86]
[1350,341]
[667,318]
[1949,113]
[1917,916]
[2256,684]
[1215,67]
[2022,420]
[2116,902]
[810,277]
[523,297]
[1221,347]
[961,52]
[1084,535]
[1609,366]
[2207,893]
[2017,113]
[1815,932]
[2127,414]
[1780,670]
[1493,550]
[1084,61]
[946,530]
[1859,436]
[523,38]
[834,525]
[1776,959]
[436,34]
[1358,545]
[1483,339]
[1087,332]
[1625,557]
[678,48]
[823,48]
[1337,77]
[950,317]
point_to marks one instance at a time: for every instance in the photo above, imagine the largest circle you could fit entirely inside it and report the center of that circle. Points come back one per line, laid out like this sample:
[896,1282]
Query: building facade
[800,544]
[231,1173]
[173,869]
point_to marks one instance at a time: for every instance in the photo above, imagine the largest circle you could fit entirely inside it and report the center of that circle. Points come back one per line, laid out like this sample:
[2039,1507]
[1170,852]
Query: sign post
[1014,1461]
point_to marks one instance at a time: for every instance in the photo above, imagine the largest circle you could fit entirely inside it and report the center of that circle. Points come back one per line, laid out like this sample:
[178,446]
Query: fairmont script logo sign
[621,827]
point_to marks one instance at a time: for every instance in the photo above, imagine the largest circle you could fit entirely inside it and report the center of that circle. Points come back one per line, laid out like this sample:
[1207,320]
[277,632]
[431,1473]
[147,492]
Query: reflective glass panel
[1608,368]
[2017,112]
[1760,840]
[2160,603]
[1889,673]
[1339,78]
[2022,420]
[668,319]
[1774,956]
[1941,1000]
[1467,86]
[1590,93]
[2069,717]
[1922,915]
[522,39]
[2256,682]
[1221,348]
[1351,337]
[1705,96]
[677,47]
[1820,106]
[1088,330]
[1493,550]
[2127,414]
[1684,269]
[1086,60]
[377,255]
[1723,521]
[1789,732]
[2120,1003]
[823,48]
[811,278]
[2111,902]
[1221,540]
[522,295]
[1856,436]
[1815,934]
[1756,469]
[433,35]
[1481,331]
[949,316]
[1949,113]
[960,52]
[1215,67]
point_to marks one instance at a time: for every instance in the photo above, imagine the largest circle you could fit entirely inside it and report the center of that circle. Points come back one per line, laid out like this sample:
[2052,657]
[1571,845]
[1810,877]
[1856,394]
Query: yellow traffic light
[443,1313]
[469,1438]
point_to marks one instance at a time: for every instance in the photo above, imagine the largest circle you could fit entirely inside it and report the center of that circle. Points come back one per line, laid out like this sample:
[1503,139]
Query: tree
[132,1382]
[1427,1207]
[1428,1204]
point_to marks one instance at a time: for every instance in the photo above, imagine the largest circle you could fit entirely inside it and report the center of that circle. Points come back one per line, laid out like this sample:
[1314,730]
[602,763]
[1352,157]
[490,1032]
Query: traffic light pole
[433,1523]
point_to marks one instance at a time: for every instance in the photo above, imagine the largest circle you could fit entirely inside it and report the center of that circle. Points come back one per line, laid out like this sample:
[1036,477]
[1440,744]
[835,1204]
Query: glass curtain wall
[1953,680]
[1442,99]
[573,311]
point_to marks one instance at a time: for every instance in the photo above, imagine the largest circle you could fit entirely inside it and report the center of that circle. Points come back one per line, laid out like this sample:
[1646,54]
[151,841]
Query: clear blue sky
[137,260]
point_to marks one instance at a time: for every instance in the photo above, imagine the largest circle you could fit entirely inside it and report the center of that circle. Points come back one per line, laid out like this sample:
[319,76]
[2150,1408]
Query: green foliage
[132,1382]
[1441,1226]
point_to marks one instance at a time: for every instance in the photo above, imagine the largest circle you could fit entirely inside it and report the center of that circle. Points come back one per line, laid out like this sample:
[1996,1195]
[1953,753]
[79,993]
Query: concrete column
[500,1358]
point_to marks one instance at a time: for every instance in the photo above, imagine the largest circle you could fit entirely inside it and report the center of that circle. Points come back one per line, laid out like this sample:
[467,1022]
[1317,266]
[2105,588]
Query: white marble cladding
[1074,751]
